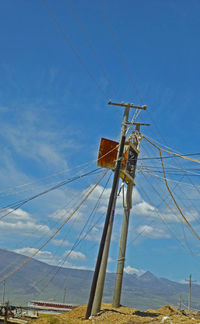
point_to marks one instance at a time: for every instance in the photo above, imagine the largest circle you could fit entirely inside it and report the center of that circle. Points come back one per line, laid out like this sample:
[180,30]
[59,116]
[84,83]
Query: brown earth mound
[123,315]
[169,310]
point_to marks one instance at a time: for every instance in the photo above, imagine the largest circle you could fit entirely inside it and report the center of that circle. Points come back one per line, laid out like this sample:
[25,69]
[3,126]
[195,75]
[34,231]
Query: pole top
[127,105]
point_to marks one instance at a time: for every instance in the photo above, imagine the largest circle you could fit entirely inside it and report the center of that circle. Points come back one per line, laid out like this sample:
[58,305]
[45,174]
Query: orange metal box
[107,153]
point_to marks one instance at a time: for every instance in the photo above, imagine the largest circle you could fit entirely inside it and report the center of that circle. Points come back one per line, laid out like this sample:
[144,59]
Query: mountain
[148,276]
[40,281]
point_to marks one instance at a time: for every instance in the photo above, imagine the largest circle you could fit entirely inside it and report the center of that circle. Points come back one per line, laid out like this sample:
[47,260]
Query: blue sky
[53,106]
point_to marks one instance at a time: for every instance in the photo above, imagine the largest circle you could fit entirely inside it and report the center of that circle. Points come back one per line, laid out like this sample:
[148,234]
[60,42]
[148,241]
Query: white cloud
[130,270]
[175,216]
[94,235]
[140,206]
[69,265]
[76,255]
[44,256]
[49,258]
[61,242]
[152,232]
[18,214]
[22,228]
[21,223]
[65,212]
[111,260]
[144,209]
[35,143]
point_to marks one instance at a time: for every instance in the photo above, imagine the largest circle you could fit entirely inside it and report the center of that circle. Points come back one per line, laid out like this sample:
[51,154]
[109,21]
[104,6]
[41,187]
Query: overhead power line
[173,153]
[151,173]
[168,156]
[86,165]
[175,202]
[8,275]
[19,204]
[50,229]
[172,231]
[120,52]
[91,47]
[167,186]
[81,237]
[78,56]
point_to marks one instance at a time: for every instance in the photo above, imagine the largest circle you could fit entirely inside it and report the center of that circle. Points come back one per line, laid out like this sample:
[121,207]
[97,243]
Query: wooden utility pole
[180,302]
[101,264]
[3,301]
[122,249]
[132,163]
[6,312]
[102,272]
[64,296]
[189,290]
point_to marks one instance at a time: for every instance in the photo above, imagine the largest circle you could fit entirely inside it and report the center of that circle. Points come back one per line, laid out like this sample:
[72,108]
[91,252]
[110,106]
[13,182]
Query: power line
[55,232]
[120,52]
[87,164]
[91,47]
[80,237]
[176,204]
[150,172]
[173,153]
[159,214]
[49,231]
[183,203]
[65,37]
[16,206]
[193,160]
[167,157]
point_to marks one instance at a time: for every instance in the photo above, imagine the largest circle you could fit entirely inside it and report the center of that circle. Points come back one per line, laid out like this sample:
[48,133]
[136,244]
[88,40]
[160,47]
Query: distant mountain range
[40,281]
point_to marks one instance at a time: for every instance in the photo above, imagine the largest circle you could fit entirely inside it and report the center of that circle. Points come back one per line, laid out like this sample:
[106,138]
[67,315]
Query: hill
[40,281]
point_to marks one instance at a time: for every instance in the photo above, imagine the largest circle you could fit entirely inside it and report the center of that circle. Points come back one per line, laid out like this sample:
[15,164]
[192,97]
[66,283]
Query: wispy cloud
[58,242]
[21,223]
[44,256]
[76,255]
[152,232]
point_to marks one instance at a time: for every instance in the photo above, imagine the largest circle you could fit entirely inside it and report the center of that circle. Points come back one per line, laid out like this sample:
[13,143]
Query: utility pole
[102,272]
[127,202]
[3,301]
[189,291]
[180,302]
[100,269]
[122,249]
[64,296]
[6,312]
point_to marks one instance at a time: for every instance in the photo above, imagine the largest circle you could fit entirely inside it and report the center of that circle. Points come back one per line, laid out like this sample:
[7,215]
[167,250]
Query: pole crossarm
[127,105]
[141,124]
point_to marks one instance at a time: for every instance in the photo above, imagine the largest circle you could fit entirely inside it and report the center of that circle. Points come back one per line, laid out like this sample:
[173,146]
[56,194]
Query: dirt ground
[108,314]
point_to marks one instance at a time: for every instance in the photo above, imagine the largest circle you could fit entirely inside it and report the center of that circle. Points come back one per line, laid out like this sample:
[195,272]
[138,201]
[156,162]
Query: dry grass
[123,315]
